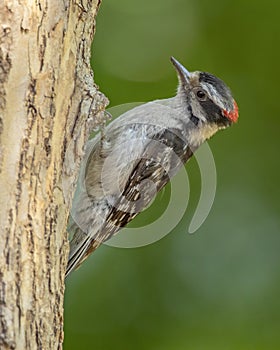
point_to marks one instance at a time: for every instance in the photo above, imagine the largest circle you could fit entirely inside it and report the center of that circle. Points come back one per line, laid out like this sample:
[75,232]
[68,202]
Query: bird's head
[208,98]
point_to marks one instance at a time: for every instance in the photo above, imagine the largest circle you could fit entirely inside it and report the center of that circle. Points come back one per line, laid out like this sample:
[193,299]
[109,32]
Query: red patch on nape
[232,115]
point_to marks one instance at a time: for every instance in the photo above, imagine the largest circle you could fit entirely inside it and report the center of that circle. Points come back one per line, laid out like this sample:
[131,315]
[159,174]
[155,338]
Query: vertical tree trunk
[48,104]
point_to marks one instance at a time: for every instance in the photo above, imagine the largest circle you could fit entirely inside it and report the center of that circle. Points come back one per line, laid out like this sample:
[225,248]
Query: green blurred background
[220,287]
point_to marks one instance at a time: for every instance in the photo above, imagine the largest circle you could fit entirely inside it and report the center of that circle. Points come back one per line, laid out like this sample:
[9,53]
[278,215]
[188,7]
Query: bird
[138,153]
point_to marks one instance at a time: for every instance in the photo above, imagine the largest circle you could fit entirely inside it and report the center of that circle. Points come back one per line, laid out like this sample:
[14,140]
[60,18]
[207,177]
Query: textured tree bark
[48,104]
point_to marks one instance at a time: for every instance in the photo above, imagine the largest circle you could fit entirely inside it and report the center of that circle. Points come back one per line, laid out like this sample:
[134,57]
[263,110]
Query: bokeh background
[218,288]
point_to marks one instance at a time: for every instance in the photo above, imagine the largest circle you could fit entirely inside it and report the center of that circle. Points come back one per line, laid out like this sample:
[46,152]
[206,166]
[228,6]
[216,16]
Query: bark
[48,104]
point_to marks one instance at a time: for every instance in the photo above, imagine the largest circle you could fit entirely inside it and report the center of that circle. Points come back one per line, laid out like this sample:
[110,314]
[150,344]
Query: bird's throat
[202,133]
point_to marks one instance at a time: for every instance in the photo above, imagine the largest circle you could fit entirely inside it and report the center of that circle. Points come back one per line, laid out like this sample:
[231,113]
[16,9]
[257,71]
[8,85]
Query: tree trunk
[48,104]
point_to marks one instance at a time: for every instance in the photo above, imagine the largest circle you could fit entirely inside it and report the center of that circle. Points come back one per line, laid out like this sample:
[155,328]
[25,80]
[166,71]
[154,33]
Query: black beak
[183,73]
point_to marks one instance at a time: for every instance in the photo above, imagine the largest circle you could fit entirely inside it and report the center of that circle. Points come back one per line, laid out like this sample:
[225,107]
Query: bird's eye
[201,95]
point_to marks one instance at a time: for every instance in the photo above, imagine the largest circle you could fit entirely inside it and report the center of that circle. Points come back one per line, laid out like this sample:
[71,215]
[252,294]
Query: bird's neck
[197,131]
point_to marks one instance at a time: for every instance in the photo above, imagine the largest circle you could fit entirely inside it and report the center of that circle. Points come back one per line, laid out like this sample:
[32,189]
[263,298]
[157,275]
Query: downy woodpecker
[138,154]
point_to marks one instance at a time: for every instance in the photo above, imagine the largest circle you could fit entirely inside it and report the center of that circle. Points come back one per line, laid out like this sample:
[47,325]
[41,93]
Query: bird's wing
[147,177]
[161,158]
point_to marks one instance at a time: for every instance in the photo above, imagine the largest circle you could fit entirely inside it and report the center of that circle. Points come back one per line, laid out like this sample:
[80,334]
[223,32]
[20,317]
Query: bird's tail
[81,245]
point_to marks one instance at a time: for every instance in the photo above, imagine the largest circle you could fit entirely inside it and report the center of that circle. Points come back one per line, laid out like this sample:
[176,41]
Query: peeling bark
[48,105]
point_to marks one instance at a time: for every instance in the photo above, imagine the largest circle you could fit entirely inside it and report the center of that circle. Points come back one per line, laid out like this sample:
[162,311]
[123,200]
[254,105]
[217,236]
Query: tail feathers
[80,247]
[77,253]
